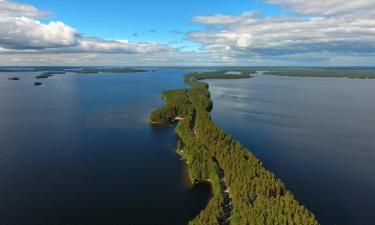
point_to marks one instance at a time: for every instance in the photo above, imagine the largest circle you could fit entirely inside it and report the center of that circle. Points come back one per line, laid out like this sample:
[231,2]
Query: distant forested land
[109,70]
[69,69]
[293,72]
[48,74]
[244,191]
[45,75]
[222,74]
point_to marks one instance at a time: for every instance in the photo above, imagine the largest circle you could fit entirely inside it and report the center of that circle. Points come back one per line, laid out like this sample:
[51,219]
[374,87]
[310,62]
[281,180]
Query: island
[48,74]
[243,190]
[221,74]
[13,78]
[321,72]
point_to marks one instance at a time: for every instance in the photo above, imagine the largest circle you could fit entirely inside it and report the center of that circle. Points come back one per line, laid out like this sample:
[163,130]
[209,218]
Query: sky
[189,33]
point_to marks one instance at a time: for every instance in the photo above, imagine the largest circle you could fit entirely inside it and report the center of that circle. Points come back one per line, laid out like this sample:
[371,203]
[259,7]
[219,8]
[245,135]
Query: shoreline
[189,183]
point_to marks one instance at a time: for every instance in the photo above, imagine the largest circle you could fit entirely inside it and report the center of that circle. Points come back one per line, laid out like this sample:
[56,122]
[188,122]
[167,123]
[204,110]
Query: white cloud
[120,46]
[319,31]
[328,7]
[165,58]
[8,8]
[25,33]
[21,32]
[246,35]
[246,17]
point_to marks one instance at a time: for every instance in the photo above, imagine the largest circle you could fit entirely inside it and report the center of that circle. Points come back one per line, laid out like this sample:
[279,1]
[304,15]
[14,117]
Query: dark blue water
[79,150]
[316,134]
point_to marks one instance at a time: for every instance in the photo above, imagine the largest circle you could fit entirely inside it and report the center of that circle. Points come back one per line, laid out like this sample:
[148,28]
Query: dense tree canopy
[257,195]
[45,75]
[221,74]
[305,72]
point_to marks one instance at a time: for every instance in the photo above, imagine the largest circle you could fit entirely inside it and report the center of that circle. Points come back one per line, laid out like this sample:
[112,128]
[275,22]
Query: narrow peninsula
[243,190]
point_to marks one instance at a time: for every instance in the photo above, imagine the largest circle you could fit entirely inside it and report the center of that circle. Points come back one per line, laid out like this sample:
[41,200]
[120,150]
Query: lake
[316,134]
[79,150]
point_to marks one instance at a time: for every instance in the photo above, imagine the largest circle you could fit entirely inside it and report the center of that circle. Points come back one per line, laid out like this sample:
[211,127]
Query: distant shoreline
[320,73]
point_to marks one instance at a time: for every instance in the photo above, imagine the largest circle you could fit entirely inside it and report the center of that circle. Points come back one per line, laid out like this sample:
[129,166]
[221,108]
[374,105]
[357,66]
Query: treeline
[177,104]
[362,74]
[258,197]
[222,74]
[48,74]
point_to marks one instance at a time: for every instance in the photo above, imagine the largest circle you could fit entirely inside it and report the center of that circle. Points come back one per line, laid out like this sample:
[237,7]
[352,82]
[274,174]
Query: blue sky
[133,20]
[195,32]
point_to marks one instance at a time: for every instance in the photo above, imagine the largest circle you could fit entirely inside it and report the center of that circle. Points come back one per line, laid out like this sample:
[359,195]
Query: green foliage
[258,196]
[222,74]
[48,74]
[301,72]
[212,214]
[177,105]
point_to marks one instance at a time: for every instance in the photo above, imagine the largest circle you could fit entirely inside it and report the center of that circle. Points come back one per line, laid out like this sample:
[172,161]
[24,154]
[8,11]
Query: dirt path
[227,199]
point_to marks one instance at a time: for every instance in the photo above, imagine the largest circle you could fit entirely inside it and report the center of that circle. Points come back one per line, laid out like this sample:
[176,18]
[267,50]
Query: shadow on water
[197,194]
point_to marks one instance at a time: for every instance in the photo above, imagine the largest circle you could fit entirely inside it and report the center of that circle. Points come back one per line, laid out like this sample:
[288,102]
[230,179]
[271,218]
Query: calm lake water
[79,150]
[316,134]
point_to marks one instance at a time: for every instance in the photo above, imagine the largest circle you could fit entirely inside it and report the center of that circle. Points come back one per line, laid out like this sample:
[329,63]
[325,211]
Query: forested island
[306,72]
[244,191]
[48,74]
[222,74]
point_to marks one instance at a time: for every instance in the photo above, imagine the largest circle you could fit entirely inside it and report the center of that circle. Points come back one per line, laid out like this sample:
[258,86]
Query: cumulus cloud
[249,35]
[328,7]
[165,58]
[116,46]
[246,17]
[318,31]
[22,32]
[8,8]
[25,33]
